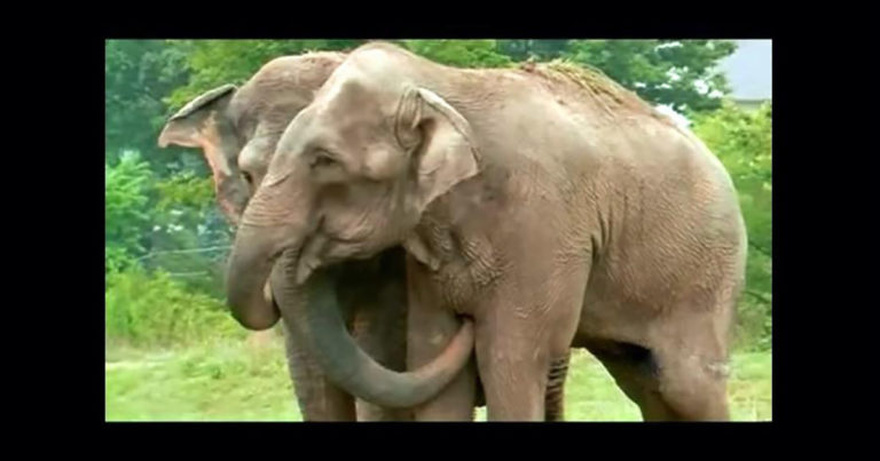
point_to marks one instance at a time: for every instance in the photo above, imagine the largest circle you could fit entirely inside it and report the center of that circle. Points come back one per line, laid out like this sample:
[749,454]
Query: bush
[126,216]
[742,140]
[152,309]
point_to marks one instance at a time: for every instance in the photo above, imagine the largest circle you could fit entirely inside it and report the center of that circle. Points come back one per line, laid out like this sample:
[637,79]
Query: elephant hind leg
[634,370]
[692,388]
[667,386]
[554,409]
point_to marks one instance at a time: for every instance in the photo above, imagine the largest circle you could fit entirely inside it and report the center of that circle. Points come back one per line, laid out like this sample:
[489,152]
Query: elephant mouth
[322,249]
[309,257]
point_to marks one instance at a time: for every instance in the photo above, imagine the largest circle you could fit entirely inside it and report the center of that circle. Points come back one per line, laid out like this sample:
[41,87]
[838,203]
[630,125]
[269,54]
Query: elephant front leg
[430,328]
[523,341]
[318,398]
[513,370]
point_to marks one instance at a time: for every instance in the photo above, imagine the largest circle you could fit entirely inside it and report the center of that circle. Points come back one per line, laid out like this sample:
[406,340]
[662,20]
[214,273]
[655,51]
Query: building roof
[750,70]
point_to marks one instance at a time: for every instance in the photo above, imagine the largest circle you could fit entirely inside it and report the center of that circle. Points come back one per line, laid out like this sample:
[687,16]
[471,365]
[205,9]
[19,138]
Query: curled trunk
[312,310]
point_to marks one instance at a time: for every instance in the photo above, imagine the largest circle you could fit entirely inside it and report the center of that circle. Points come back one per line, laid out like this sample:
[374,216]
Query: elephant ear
[441,142]
[185,128]
[201,123]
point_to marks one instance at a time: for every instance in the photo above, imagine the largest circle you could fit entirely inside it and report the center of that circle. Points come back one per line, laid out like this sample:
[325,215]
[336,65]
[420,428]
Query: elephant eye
[323,158]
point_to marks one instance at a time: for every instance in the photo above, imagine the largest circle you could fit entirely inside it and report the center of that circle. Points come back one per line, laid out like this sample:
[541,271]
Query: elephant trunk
[310,305]
[313,311]
[261,238]
[248,294]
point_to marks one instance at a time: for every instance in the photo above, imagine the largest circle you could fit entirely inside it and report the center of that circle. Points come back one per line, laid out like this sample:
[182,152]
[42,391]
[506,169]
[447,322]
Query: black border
[80,373]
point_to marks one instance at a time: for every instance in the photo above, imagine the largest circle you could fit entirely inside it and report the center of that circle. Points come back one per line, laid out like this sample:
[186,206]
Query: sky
[750,70]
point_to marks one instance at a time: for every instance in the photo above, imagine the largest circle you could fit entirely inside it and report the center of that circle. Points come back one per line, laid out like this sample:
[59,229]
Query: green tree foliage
[460,53]
[680,73]
[137,74]
[743,142]
[216,62]
[160,199]
[542,50]
[147,219]
[187,190]
[126,215]
[186,218]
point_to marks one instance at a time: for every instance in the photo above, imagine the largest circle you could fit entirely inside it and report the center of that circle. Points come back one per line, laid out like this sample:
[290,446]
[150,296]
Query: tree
[137,74]
[125,209]
[679,73]
[217,62]
[543,50]
[460,53]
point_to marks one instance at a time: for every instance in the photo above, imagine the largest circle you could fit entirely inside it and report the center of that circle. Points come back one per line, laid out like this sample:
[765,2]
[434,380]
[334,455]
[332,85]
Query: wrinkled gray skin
[238,129]
[552,207]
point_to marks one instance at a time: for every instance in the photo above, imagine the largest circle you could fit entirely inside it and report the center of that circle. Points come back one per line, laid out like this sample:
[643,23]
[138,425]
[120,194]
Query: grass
[224,382]
[237,381]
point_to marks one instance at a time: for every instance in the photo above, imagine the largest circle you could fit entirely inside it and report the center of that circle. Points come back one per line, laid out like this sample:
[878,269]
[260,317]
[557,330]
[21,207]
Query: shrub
[152,309]
[742,140]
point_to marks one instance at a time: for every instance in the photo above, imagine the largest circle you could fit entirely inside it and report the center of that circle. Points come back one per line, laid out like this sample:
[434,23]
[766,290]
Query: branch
[194,250]
[759,296]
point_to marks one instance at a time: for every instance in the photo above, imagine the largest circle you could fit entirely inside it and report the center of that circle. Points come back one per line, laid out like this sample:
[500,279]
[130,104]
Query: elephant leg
[430,327]
[691,388]
[318,398]
[513,372]
[523,342]
[635,373]
[554,409]
[667,386]
[380,330]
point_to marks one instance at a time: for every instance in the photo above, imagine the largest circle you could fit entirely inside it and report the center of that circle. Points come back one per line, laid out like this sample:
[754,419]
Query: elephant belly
[609,312]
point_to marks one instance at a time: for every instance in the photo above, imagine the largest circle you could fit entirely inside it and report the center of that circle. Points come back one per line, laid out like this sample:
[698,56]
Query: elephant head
[238,130]
[350,177]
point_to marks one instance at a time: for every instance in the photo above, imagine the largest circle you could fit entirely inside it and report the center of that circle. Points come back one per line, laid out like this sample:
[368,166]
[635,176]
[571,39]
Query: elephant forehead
[299,131]
[350,129]
[358,91]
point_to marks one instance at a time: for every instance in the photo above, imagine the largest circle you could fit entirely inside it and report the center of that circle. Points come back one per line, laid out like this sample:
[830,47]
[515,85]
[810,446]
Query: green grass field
[235,381]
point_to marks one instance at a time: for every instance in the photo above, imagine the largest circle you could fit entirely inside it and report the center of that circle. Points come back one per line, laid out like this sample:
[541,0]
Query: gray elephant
[548,204]
[238,129]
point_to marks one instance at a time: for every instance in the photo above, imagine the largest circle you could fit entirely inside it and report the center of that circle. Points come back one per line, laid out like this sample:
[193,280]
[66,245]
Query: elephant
[237,129]
[546,204]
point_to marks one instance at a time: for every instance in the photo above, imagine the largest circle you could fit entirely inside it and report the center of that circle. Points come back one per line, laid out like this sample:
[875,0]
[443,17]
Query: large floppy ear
[185,127]
[441,142]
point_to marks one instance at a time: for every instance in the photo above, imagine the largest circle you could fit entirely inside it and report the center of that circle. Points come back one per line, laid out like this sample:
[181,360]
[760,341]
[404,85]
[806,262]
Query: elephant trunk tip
[252,307]
[255,322]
